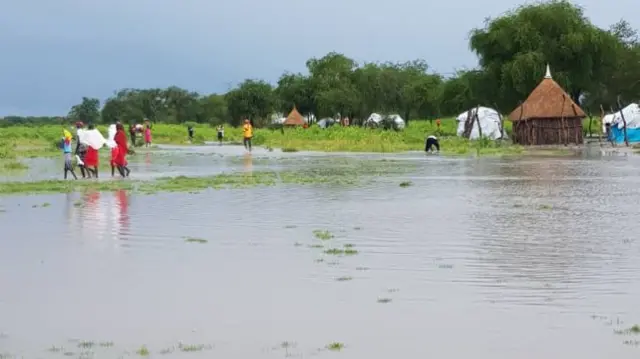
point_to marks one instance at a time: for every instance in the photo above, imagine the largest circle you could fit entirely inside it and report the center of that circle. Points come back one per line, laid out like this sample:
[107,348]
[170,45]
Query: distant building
[547,117]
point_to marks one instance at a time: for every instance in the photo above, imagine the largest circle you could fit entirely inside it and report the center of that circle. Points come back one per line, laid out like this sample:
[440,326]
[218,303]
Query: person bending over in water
[432,141]
[247,132]
[66,150]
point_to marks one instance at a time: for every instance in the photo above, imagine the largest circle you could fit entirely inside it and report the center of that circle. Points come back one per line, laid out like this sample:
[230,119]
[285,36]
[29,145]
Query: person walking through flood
[147,134]
[247,134]
[432,141]
[220,134]
[94,141]
[132,134]
[66,151]
[121,159]
[81,150]
[190,132]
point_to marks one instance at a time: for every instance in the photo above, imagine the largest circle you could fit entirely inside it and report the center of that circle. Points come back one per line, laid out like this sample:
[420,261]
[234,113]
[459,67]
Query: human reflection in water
[147,159]
[123,221]
[248,163]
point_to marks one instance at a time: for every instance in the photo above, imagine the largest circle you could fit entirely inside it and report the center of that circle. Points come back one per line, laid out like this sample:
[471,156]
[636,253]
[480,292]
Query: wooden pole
[478,122]
[495,106]
[601,123]
[624,122]
[563,127]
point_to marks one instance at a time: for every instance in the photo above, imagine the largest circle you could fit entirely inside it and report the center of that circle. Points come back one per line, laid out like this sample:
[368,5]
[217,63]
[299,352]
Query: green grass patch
[143,351]
[323,235]
[196,240]
[335,346]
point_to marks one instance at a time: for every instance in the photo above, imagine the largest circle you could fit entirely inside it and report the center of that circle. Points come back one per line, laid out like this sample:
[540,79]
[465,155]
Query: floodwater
[479,258]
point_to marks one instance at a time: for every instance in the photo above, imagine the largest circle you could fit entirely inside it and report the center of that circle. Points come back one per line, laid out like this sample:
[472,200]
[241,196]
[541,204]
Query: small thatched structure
[294,118]
[548,117]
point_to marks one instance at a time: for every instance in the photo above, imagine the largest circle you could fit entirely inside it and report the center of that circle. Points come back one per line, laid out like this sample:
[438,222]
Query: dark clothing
[431,143]
[190,132]
[247,143]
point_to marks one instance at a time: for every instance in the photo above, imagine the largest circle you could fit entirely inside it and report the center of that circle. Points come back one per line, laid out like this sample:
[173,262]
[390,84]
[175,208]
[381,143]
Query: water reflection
[122,220]
[248,163]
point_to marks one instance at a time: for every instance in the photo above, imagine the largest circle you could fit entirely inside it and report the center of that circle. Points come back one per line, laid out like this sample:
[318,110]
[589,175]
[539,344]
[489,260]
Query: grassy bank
[23,141]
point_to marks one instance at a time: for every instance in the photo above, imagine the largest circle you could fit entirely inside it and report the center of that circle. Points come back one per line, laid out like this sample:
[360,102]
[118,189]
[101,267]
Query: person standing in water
[190,132]
[121,160]
[92,158]
[81,151]
[432,141]
[132,134]
[247,134]
[147,134]
[220,134]
[66,151]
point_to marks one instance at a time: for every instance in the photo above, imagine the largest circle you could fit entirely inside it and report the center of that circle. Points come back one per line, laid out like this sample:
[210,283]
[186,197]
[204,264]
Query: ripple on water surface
[492,258]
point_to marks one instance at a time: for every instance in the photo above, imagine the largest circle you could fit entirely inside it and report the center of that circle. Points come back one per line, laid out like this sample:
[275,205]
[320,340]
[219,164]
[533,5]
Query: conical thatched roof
[547,101]
[294,118]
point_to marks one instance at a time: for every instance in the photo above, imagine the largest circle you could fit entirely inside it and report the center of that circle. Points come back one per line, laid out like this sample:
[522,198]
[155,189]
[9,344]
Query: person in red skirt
[122,148]
[92,159]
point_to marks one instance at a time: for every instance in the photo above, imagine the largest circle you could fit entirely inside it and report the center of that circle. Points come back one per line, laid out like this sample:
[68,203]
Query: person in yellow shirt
[247,131]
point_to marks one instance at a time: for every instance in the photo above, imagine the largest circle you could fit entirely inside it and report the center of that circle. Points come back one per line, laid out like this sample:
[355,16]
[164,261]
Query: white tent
[374,120]
[489,123]
[631,115]
[398,121]
[326,122]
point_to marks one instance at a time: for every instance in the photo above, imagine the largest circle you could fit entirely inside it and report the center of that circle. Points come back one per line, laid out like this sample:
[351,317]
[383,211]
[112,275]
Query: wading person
[147,134]
[190,133]
[432,141]
[121,159]
[247,134]
[132,134]
[81,150]
[66,151]
[92,158]
[220,134]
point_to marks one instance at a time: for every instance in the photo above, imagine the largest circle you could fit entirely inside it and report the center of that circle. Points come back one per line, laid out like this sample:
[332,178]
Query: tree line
[599,68]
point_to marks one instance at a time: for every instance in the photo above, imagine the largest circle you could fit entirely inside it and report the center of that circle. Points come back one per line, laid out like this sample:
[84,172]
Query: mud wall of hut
[547,131]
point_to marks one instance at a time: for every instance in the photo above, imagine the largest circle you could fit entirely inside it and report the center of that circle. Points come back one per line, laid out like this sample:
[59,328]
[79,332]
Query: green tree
[514,49]
[253,99]
[213,110]
[87,111]
[295,90]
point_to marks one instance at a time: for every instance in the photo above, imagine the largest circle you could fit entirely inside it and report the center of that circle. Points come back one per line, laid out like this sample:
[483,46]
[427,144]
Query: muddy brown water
[479,258]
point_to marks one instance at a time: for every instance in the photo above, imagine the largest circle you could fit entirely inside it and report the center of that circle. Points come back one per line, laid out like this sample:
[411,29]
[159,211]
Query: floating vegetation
[316,246]
[193,347]
[634,330]
[106,344]
[349,245]
[323,235]
[344,279]
[55,349]
[143,351]
[362,268]
[289,149]
[384,300]
[77,204]
[83,344]
[406,184]
[545,207]
[297,244]
[335,346]
[339,251]
[195,240]
[167,351]
[634,343]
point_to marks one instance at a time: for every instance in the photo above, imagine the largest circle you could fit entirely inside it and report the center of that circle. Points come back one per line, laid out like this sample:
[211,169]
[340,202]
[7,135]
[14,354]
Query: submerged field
[208,252]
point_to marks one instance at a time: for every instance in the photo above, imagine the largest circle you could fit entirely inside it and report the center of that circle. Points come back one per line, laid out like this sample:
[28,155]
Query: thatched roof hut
[294,118]
[547,117]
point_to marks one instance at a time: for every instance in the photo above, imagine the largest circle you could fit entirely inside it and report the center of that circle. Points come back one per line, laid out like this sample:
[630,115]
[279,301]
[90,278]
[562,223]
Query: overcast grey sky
[53,52]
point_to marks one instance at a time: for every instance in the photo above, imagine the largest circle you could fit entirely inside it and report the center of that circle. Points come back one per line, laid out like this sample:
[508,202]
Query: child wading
[66,150]
[147,134]
[247,134]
